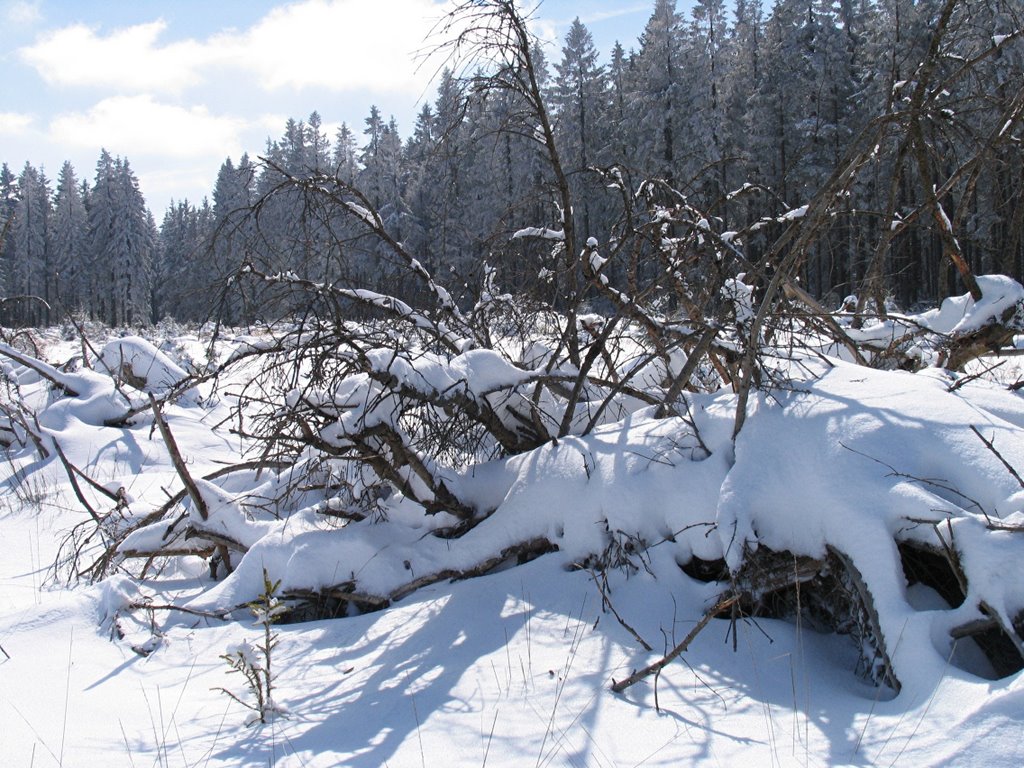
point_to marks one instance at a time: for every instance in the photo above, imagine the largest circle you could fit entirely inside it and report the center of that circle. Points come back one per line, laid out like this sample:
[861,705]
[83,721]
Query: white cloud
[614,13]
[15,123]
[337,45]
[272,122]
[128,59]
[22,12]
[160,184]
[139,125]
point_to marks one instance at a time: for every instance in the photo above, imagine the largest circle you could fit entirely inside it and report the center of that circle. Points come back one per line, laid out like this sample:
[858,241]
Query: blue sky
[178,86]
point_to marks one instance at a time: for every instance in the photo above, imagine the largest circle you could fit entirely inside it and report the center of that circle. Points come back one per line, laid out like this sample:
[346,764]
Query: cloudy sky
[176,86]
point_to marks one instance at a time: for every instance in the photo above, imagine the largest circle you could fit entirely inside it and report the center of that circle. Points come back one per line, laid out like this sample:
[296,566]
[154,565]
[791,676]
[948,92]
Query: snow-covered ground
[515,667]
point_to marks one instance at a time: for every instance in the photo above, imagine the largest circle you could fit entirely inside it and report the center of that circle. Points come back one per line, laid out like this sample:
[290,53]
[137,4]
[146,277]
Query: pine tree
[420,191]
[617,123]
[232,236]
[704,97]
[29,248]
[381,174]
[8,204]
[446,173]
[182,288]
[317,143]
[69,241]
[740,86]
[580,101]
[346,165]
[122,234]
[656,103]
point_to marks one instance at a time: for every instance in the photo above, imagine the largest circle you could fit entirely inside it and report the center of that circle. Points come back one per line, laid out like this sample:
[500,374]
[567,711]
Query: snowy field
[515,667]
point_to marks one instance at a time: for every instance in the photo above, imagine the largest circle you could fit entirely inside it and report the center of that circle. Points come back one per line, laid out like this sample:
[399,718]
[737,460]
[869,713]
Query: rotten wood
[867,603]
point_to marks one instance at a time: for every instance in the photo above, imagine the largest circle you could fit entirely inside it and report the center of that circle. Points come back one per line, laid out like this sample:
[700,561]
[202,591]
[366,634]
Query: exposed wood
[794,291]
[70,471]
[990,339]
[220,539]
[178,462]
[990,444]
[973,627]
[652,669]
[868,604]
[1007,629]
[137,554]
[143,606]
[183,474]
[348,592]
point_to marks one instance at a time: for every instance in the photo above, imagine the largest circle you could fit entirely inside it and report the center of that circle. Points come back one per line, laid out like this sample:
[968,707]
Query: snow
[514,667]
[737,192]
[362,213]
[796,213]
[541,232]
[961,314]
[1002,302]
[480,371]
[134,358]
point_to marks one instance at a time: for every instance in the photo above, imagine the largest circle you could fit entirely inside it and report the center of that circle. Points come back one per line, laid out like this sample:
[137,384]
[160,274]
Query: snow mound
[140,364]
[853,464]
[961,314]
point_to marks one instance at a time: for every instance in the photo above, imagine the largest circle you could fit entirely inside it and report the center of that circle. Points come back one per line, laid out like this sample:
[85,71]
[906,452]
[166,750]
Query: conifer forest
[746,111]
[661,405]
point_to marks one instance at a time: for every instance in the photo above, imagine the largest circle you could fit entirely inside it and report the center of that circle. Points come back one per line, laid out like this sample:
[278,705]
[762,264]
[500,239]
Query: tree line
[747,112]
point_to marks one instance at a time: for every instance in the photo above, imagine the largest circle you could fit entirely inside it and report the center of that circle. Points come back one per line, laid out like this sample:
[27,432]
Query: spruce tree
[29,249]
[69,241]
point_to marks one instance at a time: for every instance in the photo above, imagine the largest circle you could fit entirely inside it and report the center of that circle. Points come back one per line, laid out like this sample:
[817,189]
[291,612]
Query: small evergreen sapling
[254,661]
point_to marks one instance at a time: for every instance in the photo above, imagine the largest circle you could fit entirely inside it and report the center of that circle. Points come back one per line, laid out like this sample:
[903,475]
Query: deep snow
[514,667]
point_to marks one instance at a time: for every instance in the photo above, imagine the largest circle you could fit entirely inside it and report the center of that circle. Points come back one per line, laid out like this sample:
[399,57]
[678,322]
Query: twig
[222,616]
[186,478]
[655,668]
[924,480]
[74,484]
[607,602]
[990,444]
[967,379]
[179,463]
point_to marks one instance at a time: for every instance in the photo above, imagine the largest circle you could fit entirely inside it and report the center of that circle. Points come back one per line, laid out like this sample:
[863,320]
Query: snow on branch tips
[389,401]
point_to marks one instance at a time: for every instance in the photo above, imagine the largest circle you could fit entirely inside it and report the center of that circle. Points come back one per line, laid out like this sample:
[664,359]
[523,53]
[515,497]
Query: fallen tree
[711,410]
